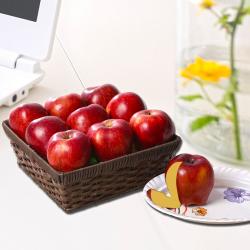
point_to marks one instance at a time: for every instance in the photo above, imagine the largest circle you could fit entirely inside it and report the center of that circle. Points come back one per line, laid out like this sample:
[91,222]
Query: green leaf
[224,101]
[93,160]
[243,13]
[190,98]
[224,22]
[224,19]
[246,11]
[203,121]
[223,105]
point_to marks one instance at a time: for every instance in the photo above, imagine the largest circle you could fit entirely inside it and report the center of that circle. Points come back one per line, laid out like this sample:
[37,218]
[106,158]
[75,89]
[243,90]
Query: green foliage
[203,121]
[93,160]
[191,98]
[244,12]
[229,17]
[225,101]
[224,22]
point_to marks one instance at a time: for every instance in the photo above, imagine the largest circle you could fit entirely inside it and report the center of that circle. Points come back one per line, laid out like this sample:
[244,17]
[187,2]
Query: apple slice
[160,198]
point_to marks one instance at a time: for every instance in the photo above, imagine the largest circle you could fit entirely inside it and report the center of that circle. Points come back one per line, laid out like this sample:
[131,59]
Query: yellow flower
[206,70]
[207,4]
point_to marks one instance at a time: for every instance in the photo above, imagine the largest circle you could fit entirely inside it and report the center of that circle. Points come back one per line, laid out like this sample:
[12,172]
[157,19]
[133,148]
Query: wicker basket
[93,184]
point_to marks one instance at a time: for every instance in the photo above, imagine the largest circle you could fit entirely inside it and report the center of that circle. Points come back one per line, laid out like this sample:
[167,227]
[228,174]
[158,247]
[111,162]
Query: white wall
[130,43]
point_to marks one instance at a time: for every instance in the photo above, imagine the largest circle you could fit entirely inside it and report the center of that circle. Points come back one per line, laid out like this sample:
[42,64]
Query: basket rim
[63,177]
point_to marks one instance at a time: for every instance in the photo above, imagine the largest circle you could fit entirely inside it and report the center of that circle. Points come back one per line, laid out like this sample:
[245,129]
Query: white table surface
[130,44]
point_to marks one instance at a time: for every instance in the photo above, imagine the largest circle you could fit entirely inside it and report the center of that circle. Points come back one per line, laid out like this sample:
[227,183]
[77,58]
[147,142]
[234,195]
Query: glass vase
[213,77]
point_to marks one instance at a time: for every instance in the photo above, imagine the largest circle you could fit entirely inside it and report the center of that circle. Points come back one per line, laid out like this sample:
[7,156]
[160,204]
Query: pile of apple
[69,130]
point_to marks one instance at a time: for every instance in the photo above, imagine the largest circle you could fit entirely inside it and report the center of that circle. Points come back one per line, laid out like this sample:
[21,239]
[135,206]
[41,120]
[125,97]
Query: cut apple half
[161,199]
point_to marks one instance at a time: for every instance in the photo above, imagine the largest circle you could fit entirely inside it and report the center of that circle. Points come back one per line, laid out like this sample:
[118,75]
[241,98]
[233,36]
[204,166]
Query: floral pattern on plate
[237,195]
[199,211]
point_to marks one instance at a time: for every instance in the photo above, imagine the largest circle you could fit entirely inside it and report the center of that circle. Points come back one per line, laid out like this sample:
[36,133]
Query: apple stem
[66,136]
[108,123]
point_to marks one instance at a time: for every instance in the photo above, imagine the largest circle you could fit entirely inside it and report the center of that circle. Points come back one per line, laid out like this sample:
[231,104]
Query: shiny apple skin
[83,118]
[111,139]
[152,128]
[23,115]
[99,95]
[68,150]
[125,105]
[40,130]
[63,106]
[195,179]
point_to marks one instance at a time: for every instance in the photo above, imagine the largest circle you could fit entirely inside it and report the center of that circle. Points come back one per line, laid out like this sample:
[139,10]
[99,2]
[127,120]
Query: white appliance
[27,31]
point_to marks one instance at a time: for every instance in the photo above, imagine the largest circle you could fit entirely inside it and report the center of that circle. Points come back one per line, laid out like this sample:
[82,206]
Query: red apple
[111,138]
[195,179]
[83,118]
[63,106]
[152,127]
[99,95]
[40,130]
[23,115]
[124,105]
[68,150]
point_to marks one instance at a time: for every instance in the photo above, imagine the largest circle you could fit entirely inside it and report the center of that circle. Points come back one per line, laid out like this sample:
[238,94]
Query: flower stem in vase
[234,84]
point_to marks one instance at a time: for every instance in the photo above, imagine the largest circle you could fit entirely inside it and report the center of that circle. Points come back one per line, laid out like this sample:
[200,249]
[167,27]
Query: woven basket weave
[93,184]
